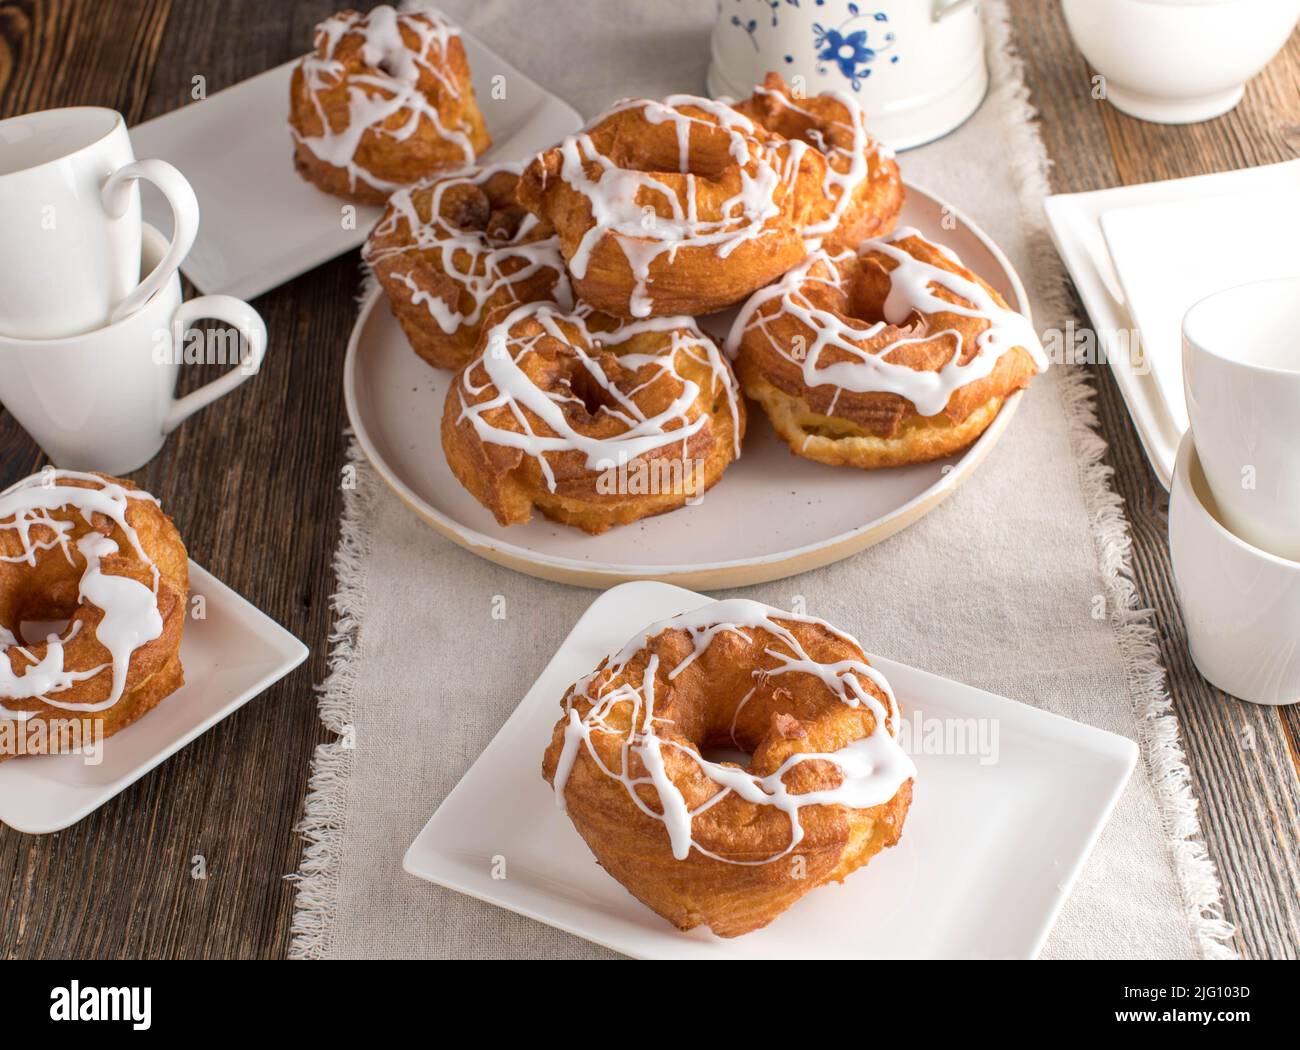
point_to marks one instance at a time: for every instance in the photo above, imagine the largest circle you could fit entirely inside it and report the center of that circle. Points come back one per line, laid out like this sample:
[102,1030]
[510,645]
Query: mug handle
[943,8]
[251,326]
[116,197]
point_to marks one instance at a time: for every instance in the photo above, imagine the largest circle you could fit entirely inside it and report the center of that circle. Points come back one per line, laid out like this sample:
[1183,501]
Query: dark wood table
[253,484]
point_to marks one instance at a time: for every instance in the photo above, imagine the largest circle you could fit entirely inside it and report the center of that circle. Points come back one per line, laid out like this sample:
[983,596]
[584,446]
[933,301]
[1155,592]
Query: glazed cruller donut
[862,191]
[683,206]
[383,100]
[452,249]
[594,421]
[101,554]
[731,846]
[892,355]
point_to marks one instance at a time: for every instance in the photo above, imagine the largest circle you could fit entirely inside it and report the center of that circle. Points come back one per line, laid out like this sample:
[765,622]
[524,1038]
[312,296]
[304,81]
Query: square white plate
[987,858]
[1075,223]
[1170,256]
[230,656]
[261,224]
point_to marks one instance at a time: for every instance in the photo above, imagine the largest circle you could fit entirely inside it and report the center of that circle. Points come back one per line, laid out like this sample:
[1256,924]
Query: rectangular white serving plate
[1152,385]
[230,656]
[988,855]
[260,223]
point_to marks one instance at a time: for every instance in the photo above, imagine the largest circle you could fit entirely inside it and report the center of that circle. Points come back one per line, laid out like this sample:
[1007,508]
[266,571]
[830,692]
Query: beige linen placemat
[996,588]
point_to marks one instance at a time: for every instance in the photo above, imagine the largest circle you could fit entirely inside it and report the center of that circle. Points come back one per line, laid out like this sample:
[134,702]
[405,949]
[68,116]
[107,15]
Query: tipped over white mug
[105,400]
[1241,376]
[70,216]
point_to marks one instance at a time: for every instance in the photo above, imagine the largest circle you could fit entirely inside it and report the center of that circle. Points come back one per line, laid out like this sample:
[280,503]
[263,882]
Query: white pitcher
[916,66]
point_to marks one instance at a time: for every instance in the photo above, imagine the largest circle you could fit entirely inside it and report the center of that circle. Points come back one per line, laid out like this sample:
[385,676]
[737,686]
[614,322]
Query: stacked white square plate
[1140,256]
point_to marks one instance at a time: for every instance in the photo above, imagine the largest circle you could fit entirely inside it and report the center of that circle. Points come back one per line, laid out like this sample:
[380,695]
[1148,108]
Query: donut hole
[474,209]
[504,224]
[588,389]
[867,287]
[394,64]
[659,151]
[467,208]
[37,600]
[35,632]
[747,720]
[723,754]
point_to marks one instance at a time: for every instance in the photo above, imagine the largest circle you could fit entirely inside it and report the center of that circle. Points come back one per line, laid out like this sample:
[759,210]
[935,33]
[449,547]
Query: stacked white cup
[91,317]
[1234,516]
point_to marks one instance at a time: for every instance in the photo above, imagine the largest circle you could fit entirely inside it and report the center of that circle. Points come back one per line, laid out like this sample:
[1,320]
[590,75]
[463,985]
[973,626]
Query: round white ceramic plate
[772,515]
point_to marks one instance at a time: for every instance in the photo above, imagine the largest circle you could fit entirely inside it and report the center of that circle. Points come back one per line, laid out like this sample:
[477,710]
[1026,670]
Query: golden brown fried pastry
[862,192]
[730,845]
[892,355]
[593,421]
[383,100]
[101,554]
[677,207]
[454,248]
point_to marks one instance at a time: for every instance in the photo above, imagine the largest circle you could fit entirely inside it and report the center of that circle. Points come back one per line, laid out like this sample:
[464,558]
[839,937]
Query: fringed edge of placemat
[1162,751]
[325,809]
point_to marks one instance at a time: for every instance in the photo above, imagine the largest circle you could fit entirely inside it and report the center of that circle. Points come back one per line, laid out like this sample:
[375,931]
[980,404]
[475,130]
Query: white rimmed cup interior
[36,139]
[1256,325]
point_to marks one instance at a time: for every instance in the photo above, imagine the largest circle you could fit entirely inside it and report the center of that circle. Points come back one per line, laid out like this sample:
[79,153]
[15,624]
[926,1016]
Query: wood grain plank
[79,52]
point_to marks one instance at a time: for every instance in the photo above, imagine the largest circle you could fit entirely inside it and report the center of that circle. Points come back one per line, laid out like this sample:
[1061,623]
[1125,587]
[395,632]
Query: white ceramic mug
[1178,61]
[916,66]
[1241,605]
[1241,375]
[70,212]
[105,400]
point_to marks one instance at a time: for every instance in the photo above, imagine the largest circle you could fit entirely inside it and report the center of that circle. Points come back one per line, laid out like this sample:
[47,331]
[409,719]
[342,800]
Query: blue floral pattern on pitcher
[850,47]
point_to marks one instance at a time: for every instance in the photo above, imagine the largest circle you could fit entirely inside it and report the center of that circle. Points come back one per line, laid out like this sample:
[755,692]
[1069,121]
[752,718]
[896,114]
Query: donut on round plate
[683,206]
[890,355]
[383,100]
[596,422]
[862,192]
[452,249]
[730,843]
[100,554]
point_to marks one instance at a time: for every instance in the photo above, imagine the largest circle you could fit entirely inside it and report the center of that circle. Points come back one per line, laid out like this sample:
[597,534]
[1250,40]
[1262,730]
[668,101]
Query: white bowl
[1179,61]
[1241,605]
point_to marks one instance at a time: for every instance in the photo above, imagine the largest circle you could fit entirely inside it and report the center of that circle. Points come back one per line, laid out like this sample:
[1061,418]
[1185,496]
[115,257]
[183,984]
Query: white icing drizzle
[847,167]
[617,209]
[911,290]
[391,86]
[130,609]
[872,769]
[511,387]
[476,261]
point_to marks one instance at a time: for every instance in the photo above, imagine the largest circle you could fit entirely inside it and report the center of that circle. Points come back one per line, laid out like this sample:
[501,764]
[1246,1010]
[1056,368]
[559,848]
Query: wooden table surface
[253,484]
